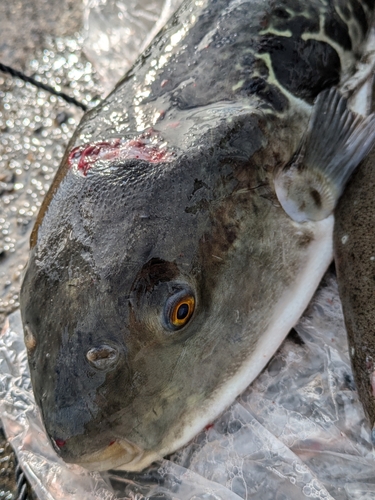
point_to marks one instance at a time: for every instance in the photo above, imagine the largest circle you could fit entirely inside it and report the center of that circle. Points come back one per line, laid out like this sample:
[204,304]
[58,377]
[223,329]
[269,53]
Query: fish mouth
[118,453]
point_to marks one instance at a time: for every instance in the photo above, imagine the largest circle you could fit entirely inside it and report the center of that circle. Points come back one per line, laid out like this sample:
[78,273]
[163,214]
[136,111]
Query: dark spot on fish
[305,68]
[198,184]
[254,86]
[260,67]
[305,239]
[359,15]
[281,13]
[274,97]
[200,206]
[344,10]
[369,3]
[338,31]
[299,25]
[155,271]
[315,195]
[248,59]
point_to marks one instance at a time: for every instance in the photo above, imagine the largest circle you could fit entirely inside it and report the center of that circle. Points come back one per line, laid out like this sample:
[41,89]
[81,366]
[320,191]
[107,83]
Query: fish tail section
[335,142]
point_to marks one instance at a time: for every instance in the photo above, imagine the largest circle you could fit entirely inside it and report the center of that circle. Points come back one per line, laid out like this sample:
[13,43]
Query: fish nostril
[103,357]
[30,340]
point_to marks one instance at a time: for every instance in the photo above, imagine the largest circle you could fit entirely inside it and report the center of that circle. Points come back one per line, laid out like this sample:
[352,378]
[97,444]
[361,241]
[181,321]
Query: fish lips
[117,453]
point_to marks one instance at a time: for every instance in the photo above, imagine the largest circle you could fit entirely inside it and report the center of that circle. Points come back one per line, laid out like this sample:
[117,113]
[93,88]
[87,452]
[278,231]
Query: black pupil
[182,311]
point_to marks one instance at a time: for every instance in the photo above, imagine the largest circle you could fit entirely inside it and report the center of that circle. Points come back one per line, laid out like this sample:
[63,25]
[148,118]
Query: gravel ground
[39,37]
[25,24]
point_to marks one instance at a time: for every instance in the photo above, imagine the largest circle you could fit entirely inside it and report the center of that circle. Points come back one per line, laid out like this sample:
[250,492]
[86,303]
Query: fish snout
[75,401]
[71,449]
[106,454]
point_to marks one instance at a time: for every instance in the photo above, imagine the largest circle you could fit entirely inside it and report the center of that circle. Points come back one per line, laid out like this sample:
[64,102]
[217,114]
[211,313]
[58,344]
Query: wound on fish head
[82,158]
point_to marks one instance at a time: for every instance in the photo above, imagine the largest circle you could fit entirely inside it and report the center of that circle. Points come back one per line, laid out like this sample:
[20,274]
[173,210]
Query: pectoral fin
[336,141]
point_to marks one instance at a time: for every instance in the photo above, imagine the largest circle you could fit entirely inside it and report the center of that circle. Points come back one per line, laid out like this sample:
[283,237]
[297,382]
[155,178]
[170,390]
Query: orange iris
[182,311]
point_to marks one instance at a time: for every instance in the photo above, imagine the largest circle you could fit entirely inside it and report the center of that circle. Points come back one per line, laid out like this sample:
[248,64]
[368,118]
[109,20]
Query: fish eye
[179,309]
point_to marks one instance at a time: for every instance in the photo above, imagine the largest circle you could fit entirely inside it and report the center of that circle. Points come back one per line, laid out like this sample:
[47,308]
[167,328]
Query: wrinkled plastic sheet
[116,32]
[297,432]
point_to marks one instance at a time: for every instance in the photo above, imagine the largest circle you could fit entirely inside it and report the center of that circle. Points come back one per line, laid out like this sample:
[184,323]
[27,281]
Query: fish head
[121,302]
[153,293]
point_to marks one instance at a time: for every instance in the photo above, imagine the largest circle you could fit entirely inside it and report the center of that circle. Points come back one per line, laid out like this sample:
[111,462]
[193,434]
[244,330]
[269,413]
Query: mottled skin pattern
[225,90]
[354,245]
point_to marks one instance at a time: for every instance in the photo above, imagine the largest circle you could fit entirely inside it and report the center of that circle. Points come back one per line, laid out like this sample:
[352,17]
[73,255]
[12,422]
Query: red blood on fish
[60,442]
[87,155]
[148,152]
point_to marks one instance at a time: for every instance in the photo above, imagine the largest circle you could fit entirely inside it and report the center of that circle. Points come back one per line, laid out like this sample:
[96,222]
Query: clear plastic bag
[116,32]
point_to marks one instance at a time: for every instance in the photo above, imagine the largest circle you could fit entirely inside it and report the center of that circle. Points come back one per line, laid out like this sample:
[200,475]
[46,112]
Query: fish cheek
[154,356]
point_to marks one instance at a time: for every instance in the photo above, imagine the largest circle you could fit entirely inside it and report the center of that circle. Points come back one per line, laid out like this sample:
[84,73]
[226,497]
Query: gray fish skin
[354,249]
[167,188]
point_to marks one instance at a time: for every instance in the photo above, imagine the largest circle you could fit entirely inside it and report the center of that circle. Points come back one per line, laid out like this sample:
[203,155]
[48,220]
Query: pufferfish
[190,223]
